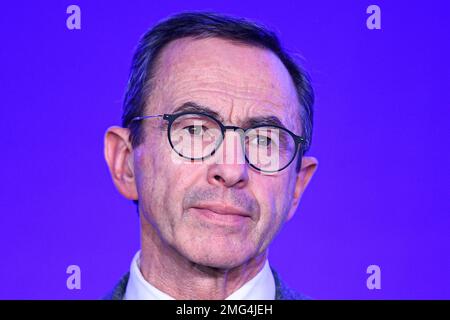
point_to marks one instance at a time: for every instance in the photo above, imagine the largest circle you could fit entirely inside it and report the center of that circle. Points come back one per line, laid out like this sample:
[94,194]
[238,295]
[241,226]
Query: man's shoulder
[118,292]
[282,291]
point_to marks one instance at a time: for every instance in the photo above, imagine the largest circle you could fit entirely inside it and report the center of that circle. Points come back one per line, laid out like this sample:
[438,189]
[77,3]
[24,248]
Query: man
[217,118]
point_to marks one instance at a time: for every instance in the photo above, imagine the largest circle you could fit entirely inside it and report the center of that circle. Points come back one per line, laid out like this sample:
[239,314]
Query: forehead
[238,81]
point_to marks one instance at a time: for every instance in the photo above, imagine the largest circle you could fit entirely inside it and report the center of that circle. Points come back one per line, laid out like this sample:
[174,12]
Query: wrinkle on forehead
[238,81]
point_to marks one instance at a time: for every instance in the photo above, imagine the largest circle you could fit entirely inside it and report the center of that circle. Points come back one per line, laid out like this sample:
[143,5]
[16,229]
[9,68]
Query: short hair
[200,25]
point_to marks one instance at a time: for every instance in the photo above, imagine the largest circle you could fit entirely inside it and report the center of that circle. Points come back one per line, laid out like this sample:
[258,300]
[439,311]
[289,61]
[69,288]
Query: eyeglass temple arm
[146,117]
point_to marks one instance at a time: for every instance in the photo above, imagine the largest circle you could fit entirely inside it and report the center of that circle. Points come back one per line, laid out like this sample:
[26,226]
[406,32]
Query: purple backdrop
[380,196]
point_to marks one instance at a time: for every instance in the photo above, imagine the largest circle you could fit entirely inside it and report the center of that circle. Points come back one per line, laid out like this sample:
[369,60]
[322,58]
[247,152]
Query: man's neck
[170,272]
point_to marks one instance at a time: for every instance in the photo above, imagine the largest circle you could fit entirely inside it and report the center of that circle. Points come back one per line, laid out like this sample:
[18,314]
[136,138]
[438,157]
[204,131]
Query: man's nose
[228,166]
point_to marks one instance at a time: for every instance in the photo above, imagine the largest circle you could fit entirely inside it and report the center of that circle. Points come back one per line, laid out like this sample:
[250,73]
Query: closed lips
[224,210]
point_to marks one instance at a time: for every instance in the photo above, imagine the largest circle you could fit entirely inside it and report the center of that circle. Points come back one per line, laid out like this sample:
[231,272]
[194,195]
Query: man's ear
[119,157]
[309,166]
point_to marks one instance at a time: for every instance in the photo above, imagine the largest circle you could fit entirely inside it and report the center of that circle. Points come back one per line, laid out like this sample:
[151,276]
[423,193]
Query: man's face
[246,208]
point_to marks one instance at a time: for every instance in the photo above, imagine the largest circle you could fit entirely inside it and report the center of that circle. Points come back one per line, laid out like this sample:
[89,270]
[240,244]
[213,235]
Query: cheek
[153,178]
[161,186]
[274,198]
[156,165]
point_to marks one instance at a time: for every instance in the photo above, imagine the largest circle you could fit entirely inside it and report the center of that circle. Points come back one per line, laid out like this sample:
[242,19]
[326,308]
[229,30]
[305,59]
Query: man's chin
[218,257]
[219,263]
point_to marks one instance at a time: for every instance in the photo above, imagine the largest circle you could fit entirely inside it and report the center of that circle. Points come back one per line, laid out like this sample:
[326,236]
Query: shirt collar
[260,287]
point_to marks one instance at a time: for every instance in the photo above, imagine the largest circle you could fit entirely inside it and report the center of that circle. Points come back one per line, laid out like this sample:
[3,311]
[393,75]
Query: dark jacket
[282,291]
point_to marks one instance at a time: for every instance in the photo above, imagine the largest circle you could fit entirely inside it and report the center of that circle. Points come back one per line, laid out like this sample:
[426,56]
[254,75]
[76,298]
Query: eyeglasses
[197,136]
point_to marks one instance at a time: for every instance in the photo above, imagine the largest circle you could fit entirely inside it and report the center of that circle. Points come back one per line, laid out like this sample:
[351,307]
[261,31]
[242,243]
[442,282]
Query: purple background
[380,196]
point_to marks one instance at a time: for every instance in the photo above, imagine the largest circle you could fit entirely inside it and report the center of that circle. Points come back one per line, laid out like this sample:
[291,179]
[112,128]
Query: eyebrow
[263,120]
[248,123]
[194,107]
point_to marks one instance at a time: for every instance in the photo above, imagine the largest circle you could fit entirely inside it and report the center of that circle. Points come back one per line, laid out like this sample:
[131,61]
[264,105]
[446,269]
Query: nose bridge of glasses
[231,149]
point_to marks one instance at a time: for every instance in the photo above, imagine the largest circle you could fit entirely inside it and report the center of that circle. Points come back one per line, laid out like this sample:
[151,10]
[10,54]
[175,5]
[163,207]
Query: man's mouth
[222,214]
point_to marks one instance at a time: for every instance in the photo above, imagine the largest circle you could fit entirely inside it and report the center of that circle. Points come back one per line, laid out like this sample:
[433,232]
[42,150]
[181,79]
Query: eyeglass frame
[299,140]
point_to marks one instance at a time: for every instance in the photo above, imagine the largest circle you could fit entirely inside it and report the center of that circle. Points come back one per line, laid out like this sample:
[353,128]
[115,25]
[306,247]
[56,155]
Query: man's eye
[262,141]
[196,130]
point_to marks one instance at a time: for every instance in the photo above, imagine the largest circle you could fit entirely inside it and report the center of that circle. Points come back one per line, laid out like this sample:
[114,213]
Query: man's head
[212,213]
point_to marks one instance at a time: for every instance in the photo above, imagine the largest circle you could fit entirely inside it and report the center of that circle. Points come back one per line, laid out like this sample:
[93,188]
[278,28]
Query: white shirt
[260,287]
